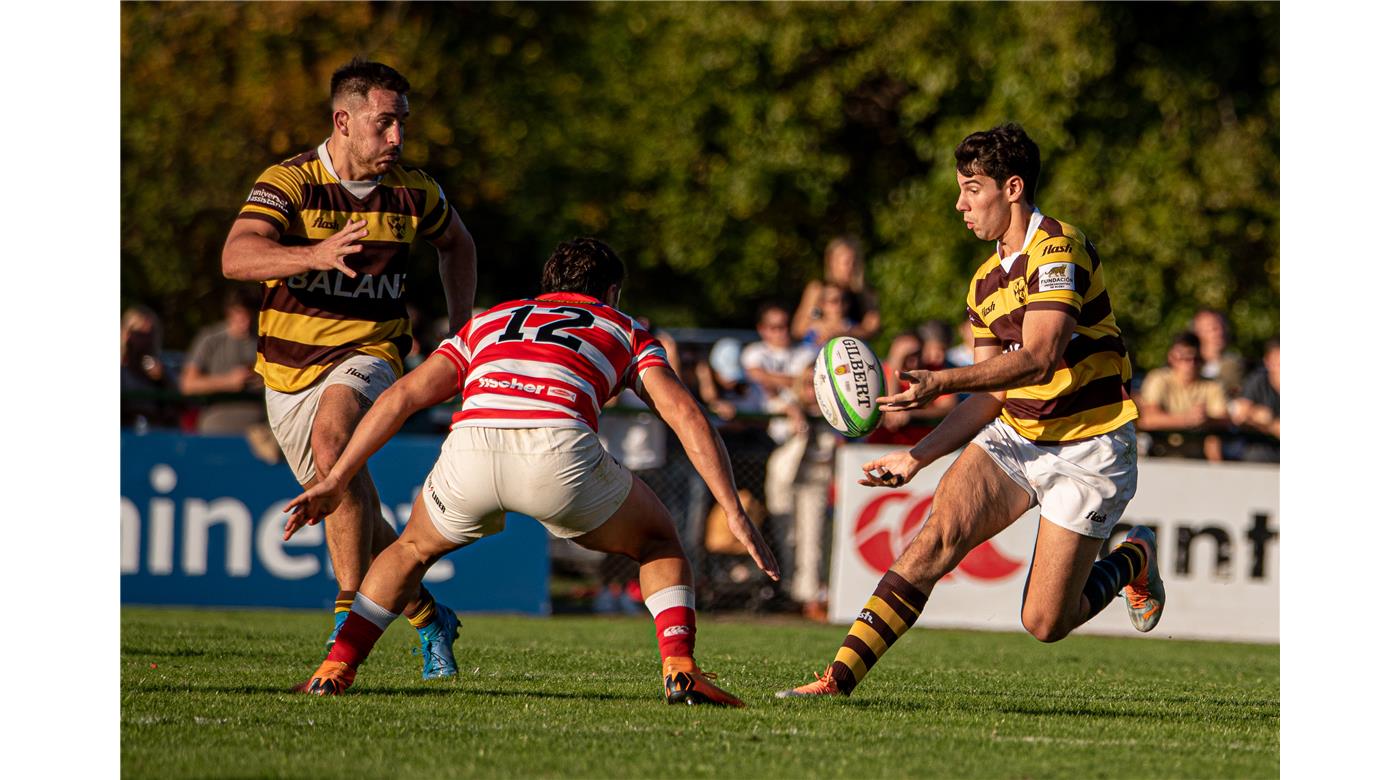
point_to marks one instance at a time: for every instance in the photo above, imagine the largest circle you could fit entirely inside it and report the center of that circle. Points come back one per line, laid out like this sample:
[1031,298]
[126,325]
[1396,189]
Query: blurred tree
[719,146]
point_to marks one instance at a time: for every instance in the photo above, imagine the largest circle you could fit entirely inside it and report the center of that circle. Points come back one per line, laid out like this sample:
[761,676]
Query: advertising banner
[1217,528]
[201,524]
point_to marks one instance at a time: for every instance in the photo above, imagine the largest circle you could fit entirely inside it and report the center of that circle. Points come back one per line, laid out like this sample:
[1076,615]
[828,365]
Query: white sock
[372,612]
[674,596]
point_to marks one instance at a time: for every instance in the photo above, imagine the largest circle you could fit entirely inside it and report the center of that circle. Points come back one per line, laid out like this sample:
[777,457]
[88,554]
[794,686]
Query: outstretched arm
[1046,334]
[457,266]
[430,383]
[956,430]
[664,393]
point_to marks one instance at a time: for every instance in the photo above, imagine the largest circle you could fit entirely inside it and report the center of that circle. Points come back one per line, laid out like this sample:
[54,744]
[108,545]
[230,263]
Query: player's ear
[341,119]
[1015,189]
[613,295]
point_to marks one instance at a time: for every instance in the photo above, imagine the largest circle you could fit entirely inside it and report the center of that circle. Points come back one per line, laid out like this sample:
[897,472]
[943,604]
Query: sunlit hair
[857,283]
[358,76]
[584,265]
[1002,152]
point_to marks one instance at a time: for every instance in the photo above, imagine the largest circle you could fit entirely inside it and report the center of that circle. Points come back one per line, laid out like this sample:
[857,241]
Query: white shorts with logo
[1083,486]
[291,414]
[561,476]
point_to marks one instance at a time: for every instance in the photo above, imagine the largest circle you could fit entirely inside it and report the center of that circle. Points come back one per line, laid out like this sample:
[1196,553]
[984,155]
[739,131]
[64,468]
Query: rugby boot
[331,678]
[335,631]
[686,684]
[824,685]
[1146,595]
[435,644]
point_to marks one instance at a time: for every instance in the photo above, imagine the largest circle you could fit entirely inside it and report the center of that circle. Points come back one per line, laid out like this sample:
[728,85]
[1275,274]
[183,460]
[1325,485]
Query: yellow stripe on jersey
[323,332]
[1068,380]
[291,379]
[1078,426]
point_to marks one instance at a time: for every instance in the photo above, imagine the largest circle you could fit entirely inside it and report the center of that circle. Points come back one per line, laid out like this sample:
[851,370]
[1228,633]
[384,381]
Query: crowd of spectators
[1204,403]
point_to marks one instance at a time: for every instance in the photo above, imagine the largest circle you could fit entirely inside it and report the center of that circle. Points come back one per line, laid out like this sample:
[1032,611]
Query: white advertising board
[1217,530]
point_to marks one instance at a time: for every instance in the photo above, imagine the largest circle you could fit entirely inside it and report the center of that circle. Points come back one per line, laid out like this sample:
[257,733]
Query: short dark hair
[767,306]
[584,265]
[1187,339]
[359,76]
[243,297]
[935,330]
[1002,152]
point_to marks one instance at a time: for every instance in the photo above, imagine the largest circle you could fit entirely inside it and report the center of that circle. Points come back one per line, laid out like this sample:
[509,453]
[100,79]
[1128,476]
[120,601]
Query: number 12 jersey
[551,361]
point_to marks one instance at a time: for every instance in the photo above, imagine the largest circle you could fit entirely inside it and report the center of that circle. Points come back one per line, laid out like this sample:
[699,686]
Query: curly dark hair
[584,265]
[1002,152]
[359,76]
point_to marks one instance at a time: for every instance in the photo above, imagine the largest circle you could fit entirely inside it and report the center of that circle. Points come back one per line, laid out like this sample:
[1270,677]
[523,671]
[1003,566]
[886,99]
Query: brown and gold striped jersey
[1060,271]
[311,321]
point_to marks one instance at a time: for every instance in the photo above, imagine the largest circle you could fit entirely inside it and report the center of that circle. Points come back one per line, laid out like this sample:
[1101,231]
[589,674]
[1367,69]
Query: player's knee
[1044,626]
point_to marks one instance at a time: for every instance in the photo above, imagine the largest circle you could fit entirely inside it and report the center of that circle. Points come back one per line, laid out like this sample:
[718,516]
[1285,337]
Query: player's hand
[924,386]
[329,254]
[311,507]
[743,529]
[891,471]
[893,421]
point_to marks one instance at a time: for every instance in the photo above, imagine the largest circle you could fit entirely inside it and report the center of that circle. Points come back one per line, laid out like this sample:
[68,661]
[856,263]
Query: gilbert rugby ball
[848,379]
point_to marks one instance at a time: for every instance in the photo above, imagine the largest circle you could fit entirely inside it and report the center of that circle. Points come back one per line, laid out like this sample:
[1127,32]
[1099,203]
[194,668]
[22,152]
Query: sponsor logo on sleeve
[1056,276]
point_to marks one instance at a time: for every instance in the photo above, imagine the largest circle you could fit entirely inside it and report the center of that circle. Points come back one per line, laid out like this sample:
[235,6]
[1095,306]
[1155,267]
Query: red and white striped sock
[363,627]
[673,609]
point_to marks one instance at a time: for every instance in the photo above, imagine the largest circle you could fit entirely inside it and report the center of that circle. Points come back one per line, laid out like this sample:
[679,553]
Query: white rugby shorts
[291,414]
[1083,486]
[561,476]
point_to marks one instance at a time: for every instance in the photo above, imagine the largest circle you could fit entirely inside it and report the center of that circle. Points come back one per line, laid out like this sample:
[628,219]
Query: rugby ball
[848,379]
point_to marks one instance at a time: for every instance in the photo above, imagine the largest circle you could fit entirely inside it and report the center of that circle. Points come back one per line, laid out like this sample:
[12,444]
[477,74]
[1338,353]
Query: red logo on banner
[880,543]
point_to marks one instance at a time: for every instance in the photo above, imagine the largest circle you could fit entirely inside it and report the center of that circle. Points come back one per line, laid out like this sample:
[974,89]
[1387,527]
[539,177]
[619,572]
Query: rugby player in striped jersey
[328,233]
[533,375]
[1049,418]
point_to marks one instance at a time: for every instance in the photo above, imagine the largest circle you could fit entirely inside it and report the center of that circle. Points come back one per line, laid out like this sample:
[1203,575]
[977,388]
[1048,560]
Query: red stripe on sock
[355,640]
[675,632]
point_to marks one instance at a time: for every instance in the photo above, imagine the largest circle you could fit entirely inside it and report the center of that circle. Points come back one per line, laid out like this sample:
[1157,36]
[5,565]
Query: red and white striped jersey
[547,361]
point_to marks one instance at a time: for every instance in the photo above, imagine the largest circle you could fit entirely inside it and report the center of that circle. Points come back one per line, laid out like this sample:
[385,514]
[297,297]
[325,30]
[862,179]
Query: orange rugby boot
[332,678]
[686,684]
[824,685]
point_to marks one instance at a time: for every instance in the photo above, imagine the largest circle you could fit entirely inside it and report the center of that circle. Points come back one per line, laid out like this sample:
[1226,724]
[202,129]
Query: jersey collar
[360,189]
[1031,227]
[567,297]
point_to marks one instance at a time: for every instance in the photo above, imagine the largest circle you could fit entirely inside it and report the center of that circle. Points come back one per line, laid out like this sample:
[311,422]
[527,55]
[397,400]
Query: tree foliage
[719,146]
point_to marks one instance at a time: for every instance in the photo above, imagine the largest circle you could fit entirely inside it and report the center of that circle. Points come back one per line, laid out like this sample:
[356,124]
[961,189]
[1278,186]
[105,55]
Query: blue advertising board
[201,524]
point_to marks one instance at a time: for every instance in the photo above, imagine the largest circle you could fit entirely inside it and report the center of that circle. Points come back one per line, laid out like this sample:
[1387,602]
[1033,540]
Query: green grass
[203,696]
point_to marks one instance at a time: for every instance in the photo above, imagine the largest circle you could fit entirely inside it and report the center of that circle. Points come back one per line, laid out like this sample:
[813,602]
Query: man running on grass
[533,375]
[1049,417]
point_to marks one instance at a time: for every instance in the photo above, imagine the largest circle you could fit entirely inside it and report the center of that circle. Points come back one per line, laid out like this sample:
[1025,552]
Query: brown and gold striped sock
[424,611]
[892,609]
[343,600]
[1111,574]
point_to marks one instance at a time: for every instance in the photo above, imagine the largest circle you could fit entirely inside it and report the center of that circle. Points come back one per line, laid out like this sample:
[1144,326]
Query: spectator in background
[726,389]
[797,485]
[142,369]
[772,362]
[845,270]
[1177,399]
[924,349]
[961,355]
[220,360]
[1218,361]
[1257,409]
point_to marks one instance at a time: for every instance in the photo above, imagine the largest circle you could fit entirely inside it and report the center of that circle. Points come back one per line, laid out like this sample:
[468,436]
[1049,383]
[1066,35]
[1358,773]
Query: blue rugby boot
[435,644]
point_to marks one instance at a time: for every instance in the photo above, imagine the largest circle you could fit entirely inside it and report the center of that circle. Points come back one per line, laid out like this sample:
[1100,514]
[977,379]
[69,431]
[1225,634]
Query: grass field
[202,695]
